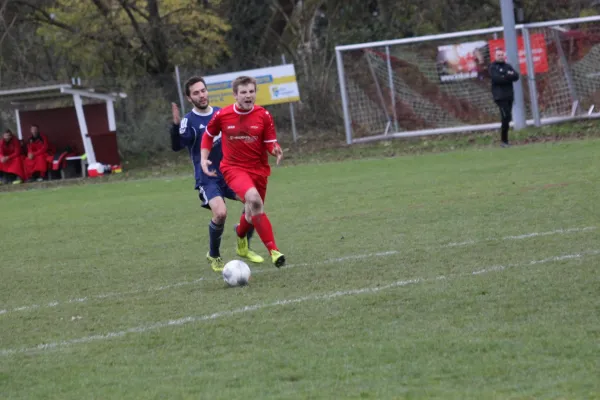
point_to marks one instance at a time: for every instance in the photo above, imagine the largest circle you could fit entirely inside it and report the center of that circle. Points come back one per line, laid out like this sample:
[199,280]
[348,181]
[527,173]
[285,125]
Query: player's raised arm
[176,114]
[174,131]
[182,134]
[270,137]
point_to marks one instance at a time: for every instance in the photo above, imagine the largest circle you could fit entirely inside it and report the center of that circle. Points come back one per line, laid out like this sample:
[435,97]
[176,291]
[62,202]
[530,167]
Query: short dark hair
[35,126]
[8,131]
[242,80]
[191,82]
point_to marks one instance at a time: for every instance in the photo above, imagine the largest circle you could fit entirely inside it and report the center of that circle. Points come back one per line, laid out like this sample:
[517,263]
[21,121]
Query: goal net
[440,84]
[571,86]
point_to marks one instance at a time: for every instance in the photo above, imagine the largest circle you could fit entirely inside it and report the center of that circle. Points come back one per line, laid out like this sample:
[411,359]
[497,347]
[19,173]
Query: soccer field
[462,275]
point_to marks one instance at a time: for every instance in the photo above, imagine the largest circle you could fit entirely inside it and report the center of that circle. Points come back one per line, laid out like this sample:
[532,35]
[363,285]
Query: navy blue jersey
[188,134]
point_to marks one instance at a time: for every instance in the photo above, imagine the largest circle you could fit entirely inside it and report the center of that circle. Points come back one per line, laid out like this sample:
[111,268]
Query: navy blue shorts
[212,189]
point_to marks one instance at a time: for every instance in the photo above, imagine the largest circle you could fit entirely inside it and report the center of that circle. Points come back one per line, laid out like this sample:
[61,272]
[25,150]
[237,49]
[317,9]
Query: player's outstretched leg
[263,226]
[244,231]
[265,231]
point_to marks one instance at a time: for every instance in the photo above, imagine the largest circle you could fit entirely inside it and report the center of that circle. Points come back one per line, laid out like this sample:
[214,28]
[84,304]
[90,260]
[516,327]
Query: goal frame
[392,126]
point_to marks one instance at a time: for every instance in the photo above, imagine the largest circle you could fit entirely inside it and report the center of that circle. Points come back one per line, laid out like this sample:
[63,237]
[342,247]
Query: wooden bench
[82,160]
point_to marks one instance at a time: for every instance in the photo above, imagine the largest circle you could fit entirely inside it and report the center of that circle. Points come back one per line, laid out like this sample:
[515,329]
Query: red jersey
[244,137]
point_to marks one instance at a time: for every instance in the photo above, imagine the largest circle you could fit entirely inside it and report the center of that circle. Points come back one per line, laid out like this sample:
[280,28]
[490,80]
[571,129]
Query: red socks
[262,225]
[243,227]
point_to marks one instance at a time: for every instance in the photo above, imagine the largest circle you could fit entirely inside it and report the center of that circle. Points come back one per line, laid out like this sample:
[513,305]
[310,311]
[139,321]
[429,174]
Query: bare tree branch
[8,28]
[177,11]
[136,26]
[140,12]
[102,7]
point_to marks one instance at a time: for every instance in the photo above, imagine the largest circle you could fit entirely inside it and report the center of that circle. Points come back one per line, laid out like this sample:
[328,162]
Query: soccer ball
[236,273]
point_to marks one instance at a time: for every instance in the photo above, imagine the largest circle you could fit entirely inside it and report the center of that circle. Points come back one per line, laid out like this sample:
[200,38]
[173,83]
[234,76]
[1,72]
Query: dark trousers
[505,106]
[6,177]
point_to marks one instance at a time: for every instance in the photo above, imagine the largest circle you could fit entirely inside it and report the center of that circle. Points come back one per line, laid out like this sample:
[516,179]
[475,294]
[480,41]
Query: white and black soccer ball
[236,273]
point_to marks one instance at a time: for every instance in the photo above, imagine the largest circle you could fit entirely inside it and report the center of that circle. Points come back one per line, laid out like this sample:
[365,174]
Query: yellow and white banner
[275,85]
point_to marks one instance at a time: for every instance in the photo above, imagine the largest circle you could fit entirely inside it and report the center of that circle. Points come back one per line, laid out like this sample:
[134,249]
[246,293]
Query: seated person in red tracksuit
[36,162]
[11,163]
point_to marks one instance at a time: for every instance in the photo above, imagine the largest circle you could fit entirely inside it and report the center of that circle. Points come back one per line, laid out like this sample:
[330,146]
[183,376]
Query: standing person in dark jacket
[503,75]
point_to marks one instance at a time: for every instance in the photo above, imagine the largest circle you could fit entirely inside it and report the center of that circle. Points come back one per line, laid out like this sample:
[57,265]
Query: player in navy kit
[212,190]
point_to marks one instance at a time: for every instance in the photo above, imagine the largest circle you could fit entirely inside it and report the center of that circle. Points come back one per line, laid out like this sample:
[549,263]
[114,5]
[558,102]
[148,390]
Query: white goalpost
[439,84]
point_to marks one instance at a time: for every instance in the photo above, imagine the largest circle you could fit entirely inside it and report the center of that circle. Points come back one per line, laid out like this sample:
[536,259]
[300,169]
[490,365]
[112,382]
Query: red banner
[538,48]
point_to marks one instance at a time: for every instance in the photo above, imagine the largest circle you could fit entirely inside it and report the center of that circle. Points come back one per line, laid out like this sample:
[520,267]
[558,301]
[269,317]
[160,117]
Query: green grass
[317,147]
[403,316]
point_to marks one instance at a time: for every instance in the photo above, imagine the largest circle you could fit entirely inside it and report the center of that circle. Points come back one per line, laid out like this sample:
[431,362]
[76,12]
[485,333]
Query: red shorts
[240,181]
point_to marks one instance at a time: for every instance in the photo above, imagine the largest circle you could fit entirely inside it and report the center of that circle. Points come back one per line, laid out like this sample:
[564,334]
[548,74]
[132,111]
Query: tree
[23,56]
[129,37]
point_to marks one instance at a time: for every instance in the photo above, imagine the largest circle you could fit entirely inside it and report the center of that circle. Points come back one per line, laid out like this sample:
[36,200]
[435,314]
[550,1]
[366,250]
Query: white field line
[536,262]
[330,261]
[525,236]
[100,296]
[334,260]
[185,283]
[255,307]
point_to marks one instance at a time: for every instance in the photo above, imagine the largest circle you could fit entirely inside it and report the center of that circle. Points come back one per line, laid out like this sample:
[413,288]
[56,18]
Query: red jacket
[38,146]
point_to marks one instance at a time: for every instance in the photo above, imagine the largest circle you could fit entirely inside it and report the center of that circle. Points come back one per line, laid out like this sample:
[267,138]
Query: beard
[199,105]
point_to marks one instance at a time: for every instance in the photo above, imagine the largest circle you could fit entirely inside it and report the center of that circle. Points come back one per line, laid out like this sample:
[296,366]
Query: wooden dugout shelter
[72,116]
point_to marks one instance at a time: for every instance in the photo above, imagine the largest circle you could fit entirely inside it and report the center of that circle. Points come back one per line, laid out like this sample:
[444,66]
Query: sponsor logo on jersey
[245,138]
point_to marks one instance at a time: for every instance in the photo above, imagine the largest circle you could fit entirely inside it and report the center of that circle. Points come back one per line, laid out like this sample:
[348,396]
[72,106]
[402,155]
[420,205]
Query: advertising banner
[275,85]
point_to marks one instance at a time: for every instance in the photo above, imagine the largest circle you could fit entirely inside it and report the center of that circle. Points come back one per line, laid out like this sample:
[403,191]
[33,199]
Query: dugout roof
[42,100]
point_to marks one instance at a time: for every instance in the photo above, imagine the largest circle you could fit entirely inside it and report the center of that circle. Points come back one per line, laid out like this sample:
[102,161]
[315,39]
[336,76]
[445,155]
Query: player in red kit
[247,135]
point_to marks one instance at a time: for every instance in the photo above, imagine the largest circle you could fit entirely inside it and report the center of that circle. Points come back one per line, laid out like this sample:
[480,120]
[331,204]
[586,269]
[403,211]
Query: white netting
[473,92]
[574,70]
[428,97]
[426,112]
[422,100]
[368,115]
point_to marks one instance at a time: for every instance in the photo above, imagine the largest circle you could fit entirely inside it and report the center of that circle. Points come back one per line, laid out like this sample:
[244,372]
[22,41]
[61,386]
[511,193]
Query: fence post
[533,95]
[292,116]
[344,93]
[178,81]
